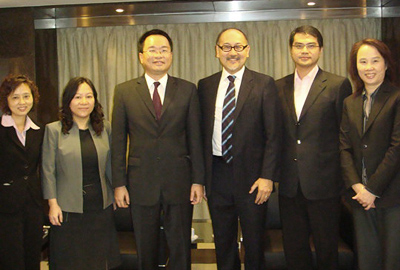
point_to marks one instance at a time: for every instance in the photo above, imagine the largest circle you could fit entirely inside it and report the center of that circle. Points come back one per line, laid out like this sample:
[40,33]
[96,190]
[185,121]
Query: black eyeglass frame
[236,48]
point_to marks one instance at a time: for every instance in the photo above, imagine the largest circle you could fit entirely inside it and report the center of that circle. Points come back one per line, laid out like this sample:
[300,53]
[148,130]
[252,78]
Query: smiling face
[305,51]
[156,57]
[20,101]
[371,67]
[83,103]
[232,61]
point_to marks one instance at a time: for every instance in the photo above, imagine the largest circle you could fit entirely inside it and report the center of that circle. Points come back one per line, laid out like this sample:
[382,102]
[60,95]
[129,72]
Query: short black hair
[307,29]
[153,32]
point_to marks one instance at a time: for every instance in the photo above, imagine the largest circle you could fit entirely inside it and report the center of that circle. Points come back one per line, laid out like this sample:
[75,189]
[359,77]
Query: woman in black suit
[370,155]
[21,213]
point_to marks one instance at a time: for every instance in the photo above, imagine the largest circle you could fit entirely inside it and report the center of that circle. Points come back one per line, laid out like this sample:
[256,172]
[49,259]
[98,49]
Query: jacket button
[295,159]
[25,177]
[365,146]
[298,141]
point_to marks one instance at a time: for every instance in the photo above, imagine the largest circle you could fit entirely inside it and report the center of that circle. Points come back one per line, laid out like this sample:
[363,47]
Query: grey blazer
[62,166]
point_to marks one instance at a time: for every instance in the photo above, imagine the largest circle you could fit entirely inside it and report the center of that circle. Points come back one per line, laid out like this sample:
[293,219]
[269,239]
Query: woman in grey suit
[77,183]
[370,155]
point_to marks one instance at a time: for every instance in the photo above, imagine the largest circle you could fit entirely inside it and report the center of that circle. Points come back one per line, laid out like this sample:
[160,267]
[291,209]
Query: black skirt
[85,241]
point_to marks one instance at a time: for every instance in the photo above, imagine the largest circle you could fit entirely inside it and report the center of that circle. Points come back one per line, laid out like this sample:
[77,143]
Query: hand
[265,187]
[365,198]
[55,213]
[121,196]
[197,194]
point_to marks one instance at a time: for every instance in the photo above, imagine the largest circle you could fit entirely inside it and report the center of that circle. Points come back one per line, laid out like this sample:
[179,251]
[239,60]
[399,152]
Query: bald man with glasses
[241,132]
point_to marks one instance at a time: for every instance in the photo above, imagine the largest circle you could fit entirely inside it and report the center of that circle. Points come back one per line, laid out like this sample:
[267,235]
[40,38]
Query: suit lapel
[245,89]
[144,93]
[380,100]
[357,113]
[317,87]
[14,138]
[169,94]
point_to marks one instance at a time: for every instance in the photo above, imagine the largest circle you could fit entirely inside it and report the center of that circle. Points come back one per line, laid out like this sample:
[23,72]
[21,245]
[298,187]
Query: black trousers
[301,218]
[21,237]
[227,208]
[377,237]
[177,222]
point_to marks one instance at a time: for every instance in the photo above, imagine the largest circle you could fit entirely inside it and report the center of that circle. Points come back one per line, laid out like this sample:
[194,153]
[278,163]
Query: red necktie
[157,101]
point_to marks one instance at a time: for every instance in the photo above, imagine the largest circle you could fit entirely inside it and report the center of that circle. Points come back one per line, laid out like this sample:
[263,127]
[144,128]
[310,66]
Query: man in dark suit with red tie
[241,132]
[310,184]
[164,170]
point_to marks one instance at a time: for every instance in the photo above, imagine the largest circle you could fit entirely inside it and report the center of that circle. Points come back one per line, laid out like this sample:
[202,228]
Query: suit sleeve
[194,139]
[107,129]
[49,156]
[349,169]
[119,140]
[272,117]
[345,90]
[389,166]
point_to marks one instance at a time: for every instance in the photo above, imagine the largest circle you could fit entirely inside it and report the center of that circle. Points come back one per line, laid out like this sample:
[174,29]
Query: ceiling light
[119,10]
[311,4]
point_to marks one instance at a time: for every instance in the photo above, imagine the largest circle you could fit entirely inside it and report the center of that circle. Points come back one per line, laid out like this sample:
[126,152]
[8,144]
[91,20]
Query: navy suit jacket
[256,131]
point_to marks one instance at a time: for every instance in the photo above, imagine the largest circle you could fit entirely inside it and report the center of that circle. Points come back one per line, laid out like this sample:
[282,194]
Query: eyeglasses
[309,46]
[228,48]
[163,52]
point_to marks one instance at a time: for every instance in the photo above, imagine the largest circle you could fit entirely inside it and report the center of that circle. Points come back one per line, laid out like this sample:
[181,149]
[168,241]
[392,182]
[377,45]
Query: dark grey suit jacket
[256,131]
[311,145]
[165,157]
[379,144]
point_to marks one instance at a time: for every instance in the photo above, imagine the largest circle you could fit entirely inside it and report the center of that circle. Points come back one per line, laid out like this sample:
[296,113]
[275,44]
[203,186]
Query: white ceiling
[35,3]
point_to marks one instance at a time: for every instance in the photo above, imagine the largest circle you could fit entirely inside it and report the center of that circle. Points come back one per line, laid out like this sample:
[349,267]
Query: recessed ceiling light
[119,10]
[311,4]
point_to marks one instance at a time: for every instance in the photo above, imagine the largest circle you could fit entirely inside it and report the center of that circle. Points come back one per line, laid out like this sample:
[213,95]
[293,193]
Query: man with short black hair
[164,172]
[310,183]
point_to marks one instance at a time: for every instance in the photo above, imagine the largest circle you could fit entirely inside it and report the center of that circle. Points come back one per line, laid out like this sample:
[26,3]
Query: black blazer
[165,158]
[379,144]
[311,145]
[256,131]
[19,168]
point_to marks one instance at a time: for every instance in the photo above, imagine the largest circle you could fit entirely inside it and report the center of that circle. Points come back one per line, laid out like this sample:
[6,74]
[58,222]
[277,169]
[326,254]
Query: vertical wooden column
[47,74]
[17,43]
[391,36]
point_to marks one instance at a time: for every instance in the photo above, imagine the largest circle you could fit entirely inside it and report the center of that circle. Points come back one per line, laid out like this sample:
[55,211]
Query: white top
[161,88]
[8,121]
[219,104]
[302,88]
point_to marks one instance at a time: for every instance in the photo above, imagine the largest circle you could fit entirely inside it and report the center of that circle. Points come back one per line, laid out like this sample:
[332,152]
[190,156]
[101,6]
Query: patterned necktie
[227,120]
[157,101]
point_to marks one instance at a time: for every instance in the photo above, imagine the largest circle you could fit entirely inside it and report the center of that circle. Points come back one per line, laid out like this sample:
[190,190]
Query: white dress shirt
[161,88]
[219,104]
[302,88]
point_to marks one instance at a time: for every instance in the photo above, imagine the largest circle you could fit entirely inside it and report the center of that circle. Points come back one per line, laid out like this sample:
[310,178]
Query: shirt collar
[150,81]
[238,75]
[310,76]
[364,93]
[8,121]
